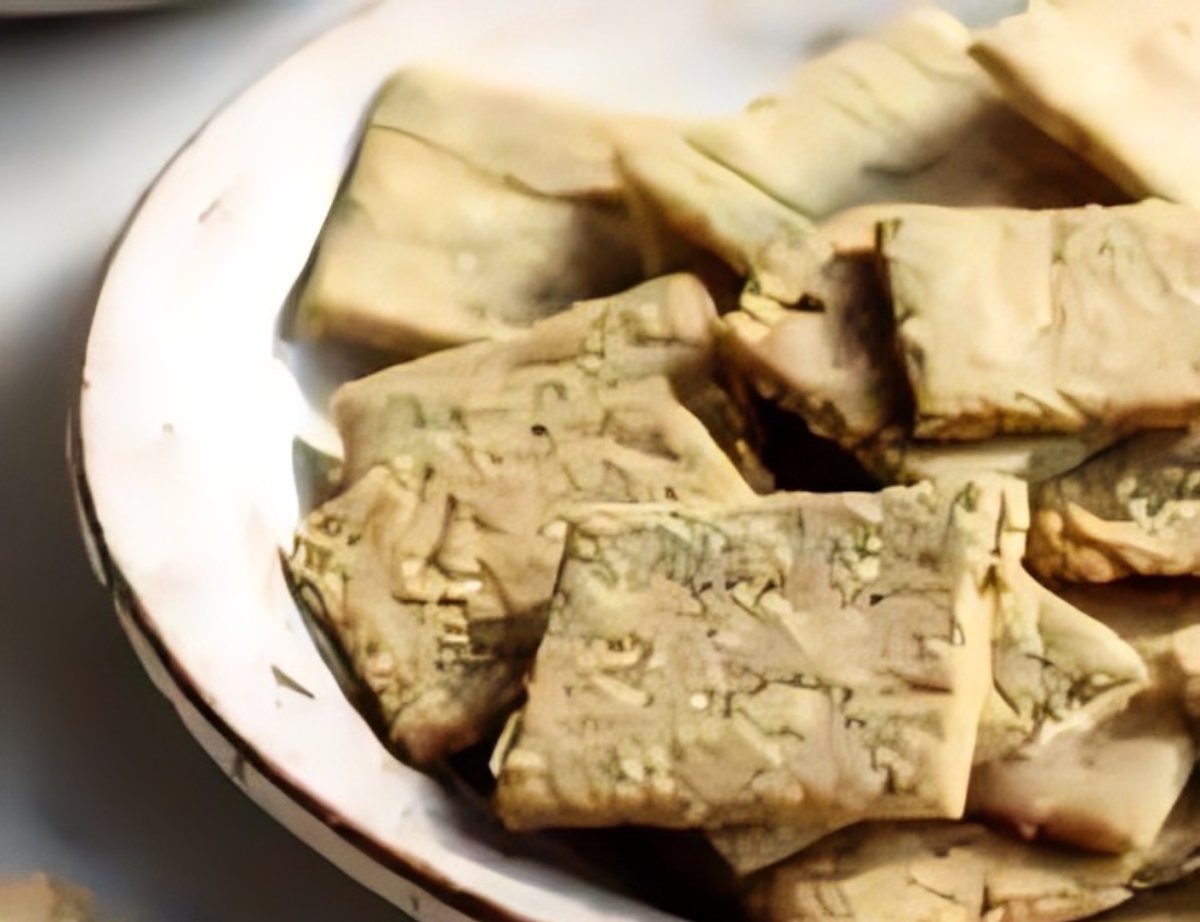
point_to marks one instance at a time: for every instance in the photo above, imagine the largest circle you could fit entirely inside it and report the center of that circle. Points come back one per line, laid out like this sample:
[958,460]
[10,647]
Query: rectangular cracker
[458,222]
[804,659]
[1066,321]
[434,569]
[662,327]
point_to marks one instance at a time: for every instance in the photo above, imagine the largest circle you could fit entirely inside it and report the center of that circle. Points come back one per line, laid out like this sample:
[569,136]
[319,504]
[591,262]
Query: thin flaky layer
[833,365]
[503,130]
[1032,458]
[1055,669]
[832,359]
[1106,787]
[1110,782]
[806,659]
[1160,618]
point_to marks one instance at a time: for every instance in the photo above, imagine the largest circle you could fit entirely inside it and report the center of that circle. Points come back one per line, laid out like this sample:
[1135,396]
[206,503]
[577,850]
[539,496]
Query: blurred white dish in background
[67,7]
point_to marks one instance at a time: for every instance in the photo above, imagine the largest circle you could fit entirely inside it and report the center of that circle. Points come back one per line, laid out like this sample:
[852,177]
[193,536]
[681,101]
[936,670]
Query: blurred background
[99,782]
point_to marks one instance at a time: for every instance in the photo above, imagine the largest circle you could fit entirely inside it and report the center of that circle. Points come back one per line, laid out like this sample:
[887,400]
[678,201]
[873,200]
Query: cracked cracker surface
[1054,670]
[435,564]
[805,659]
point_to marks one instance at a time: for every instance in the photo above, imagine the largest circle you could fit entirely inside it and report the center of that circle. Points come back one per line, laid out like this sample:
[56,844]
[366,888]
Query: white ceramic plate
[189,410]
[190,406]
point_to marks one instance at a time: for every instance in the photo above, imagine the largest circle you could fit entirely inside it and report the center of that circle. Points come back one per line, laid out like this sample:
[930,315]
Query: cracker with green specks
[801,659]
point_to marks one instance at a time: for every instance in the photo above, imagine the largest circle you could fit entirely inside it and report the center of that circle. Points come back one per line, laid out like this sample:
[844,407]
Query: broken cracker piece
[1107,787]
[1134,509]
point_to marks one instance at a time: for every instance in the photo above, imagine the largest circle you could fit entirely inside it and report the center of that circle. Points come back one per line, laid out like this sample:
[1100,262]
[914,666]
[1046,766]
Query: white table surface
[98,780]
